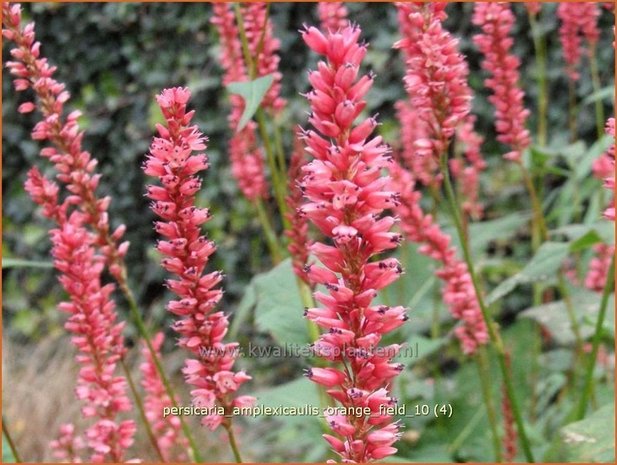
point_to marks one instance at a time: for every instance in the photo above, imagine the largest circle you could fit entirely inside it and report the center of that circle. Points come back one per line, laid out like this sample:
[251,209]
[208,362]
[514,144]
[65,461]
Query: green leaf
[585,241]
[541,267]
[7,454]
[481,234]
[253,93]
[574,232]
[242,311]
[582,166]
[554,318]
[606,93]
[296,393]
[19,263]
[279,307]
[419,347]
[591,439]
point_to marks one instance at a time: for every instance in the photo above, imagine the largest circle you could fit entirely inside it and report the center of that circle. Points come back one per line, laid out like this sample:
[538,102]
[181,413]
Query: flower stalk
[587,391]
[9,440]
[495,337]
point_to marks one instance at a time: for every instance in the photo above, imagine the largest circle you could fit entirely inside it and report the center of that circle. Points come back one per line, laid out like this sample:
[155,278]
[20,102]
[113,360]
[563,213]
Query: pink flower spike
[609,180]
[167,430]
[74,166]
[333,16]
[578,20]
[534,8]
[495,43]
[299,242]
[436,75]
[186,251]
[467,173]
[346,196]
[98,338]
[458,291]
[247,159]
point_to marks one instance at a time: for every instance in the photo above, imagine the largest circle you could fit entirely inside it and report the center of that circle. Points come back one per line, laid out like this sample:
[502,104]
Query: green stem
[572,123]
[535,203]
[490,324]
[466,432]
[142,413]
[278,143]
[597,336]
[485,382]
[571,314]
[278,177]
[245,43]
[595,80]
[143,331]
[9,439]
[540,47]
[232,442]
[271,239]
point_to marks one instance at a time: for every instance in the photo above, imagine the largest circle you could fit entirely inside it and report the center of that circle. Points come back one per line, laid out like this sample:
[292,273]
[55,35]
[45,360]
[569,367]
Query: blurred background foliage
[114,58]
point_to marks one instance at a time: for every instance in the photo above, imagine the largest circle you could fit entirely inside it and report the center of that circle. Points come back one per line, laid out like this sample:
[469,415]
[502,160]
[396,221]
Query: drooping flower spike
[74,166]
[495,43]
[346,196]
[458,292]
[186,252]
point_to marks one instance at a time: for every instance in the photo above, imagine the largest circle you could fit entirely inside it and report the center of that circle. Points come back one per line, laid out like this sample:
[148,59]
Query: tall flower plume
[167,429]
[98,338]
[247,159]
[186,253]
[74,166]
[458,292]
[578,21]
[495,43]
[332,16]
[346,195]
[436,74]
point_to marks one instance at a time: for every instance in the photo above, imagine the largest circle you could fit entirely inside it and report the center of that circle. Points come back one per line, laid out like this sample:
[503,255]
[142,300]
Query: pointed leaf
[541,267]
[19,263]
[591,439]
[253,93]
